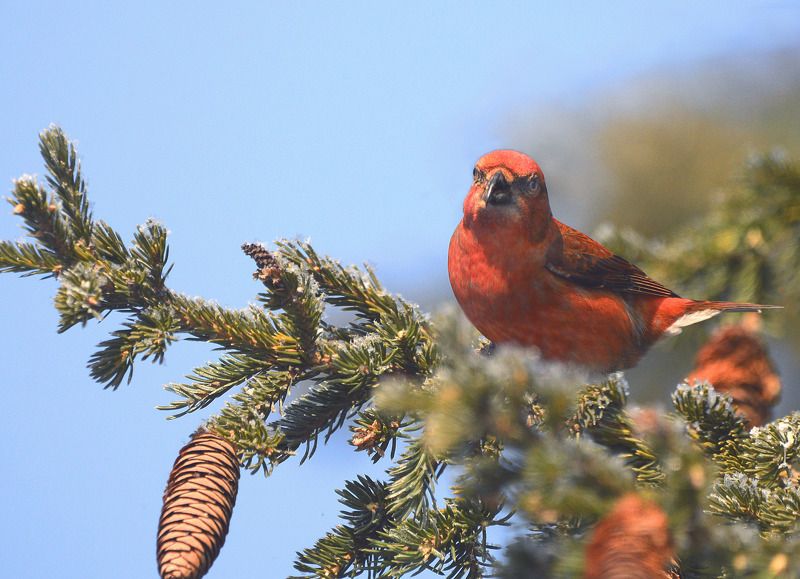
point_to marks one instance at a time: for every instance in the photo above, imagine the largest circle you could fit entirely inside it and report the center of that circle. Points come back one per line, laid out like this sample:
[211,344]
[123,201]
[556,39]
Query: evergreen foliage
[525,441]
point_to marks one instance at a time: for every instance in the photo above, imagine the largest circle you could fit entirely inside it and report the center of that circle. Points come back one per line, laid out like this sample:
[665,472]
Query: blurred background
[356,125]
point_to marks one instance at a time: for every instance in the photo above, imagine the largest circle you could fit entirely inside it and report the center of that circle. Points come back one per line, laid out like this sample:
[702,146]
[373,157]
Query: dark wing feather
[580,259]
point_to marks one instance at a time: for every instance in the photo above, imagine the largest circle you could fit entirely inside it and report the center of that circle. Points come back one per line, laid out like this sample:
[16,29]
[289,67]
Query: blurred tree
[664,165]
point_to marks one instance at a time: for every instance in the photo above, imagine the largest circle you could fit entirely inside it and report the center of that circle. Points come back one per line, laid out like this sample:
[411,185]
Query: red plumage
[523,277]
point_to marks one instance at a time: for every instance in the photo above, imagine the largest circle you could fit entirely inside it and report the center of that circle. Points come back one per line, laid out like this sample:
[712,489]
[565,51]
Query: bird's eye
[533,183]
[478,175]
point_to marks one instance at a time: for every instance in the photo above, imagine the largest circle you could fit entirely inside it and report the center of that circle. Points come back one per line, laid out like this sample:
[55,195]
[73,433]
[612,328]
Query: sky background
[355,124]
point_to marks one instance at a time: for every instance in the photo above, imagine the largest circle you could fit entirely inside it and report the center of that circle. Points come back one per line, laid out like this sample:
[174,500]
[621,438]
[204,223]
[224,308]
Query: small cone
[269,270]
[630,542]
[198,503]
[735,361]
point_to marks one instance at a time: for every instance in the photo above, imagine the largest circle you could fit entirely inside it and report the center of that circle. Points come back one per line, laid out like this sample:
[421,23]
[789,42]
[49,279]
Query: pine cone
[269,270]
[630,542]
[198,503]
[735,361]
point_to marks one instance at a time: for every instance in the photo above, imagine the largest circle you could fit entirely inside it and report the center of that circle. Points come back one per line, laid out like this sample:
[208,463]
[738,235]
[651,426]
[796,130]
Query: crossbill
[523,277]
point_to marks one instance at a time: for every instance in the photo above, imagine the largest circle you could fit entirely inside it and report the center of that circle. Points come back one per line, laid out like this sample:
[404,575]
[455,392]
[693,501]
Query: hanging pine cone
[735,361]
[198,503]
[630,542]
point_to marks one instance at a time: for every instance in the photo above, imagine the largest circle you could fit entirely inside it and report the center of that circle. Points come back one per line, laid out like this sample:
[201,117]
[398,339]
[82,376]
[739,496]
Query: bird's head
[508,191]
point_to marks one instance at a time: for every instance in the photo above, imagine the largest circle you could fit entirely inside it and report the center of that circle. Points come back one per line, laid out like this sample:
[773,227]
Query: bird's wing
[582,260]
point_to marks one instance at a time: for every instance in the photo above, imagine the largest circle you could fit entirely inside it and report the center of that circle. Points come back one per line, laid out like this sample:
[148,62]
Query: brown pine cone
[198,503]
[735,361]
[630,542]
[269,270]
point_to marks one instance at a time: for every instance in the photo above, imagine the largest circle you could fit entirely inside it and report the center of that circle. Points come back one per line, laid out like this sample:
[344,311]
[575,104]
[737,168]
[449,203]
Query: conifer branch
[376,433]
[110,247]
[243,421]
[413,482]
[294,292]
[600,414]
[451,542]
[505,421]
[348,288]
[43,218]
[346,550]
[211,381]
[771,453]
[65,178]
[148,335]
[738,497]
[27,259]
[340,392]
[712,421]
[548,492]
[250,331]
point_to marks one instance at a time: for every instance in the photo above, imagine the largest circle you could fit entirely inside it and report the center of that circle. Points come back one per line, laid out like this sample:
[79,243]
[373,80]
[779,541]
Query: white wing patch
[689,319]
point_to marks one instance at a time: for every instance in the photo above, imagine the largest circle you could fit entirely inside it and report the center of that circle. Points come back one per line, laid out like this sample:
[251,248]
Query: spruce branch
[505,422]
[243,421]
[741,498]
[712,421]
[248,331]
[413,481]
[28,259]
[298,295]
[452,542]
[600,413]
[346,287]
[781,513]
[211,381]
[109,245]
[375,433]
[80,297]
[340,392]
[65,178]
[150,253]
[148,335]
[346,550]
[549,491]
[738,497]
[771,452]
[44,220]
[548,553]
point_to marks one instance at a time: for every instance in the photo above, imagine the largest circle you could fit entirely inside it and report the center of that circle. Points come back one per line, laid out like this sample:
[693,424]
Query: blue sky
[356,124]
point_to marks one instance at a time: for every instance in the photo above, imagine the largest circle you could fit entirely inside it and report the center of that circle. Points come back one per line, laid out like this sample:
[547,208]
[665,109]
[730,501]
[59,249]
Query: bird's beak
[498,191]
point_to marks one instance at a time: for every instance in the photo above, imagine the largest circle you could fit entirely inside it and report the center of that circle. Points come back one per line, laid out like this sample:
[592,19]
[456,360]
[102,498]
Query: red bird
[523,277]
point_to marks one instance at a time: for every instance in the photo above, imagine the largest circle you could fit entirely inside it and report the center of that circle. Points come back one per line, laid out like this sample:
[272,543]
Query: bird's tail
[732,307]
[698,311]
